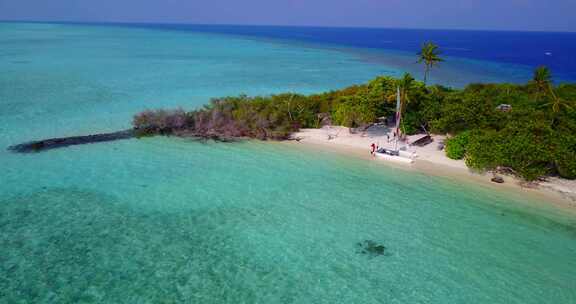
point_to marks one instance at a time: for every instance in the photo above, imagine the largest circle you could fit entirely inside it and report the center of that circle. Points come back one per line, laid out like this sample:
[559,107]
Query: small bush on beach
[456,146]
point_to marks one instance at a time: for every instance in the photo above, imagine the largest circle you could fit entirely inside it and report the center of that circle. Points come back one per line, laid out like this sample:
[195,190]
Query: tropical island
[526,130]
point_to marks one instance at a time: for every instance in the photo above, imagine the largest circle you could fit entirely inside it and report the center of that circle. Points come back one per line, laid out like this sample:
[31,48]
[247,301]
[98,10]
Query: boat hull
[394,158]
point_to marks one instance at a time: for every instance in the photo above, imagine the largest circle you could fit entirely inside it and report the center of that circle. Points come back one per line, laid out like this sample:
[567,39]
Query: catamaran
[396,154]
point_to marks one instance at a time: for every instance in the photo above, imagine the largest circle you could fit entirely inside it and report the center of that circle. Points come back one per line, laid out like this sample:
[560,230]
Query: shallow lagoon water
[172,220]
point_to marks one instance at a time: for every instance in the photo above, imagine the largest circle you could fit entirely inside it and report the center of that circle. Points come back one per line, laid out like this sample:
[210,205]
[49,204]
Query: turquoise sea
[167,220]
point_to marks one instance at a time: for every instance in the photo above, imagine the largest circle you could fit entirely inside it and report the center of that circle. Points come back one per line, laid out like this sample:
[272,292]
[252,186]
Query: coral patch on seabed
[372,249]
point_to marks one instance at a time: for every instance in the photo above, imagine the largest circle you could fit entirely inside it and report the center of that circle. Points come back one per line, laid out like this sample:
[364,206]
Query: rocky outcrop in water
[61,142]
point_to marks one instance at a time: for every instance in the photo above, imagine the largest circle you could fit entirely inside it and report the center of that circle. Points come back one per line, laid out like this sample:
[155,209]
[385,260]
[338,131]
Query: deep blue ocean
[557,50]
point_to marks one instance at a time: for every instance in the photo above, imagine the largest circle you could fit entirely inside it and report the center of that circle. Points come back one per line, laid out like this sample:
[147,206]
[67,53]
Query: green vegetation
[430,56]
[457,145]
[533,135]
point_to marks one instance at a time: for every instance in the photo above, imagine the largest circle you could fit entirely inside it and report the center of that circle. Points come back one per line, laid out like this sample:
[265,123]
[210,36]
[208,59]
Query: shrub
[355,112]
[519,147]
[565,157]
[410,123]
[159,121]
[457,145]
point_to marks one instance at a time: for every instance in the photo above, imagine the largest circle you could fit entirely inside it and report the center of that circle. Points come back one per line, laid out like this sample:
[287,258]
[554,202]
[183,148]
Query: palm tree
[542,80]
[557,102]
[430,56]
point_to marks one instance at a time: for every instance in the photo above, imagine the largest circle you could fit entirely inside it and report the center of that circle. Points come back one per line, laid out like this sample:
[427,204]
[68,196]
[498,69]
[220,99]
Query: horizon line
[274,25]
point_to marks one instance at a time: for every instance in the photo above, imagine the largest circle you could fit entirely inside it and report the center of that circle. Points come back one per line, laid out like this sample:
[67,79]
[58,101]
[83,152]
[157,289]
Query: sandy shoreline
[433,161]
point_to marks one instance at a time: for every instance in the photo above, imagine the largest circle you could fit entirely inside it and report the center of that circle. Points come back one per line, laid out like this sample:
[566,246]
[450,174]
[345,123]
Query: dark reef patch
[372,248]
[61,142]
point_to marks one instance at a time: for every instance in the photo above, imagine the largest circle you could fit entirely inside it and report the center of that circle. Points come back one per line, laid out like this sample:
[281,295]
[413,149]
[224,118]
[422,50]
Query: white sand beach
[431,159]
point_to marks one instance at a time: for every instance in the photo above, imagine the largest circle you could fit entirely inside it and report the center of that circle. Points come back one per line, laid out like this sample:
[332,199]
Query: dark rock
[54,143]
[424,141]
[498,179]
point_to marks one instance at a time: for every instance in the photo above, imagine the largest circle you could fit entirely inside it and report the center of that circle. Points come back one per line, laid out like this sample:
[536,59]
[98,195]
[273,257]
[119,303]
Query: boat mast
[398,117]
